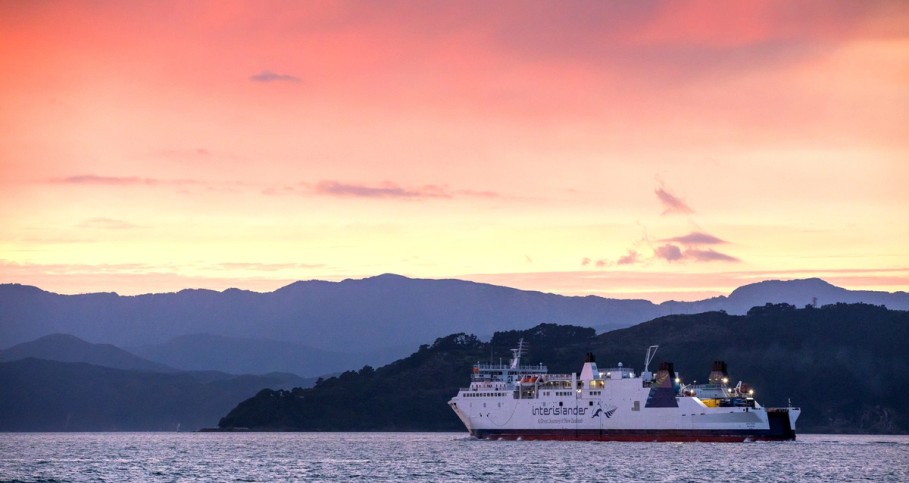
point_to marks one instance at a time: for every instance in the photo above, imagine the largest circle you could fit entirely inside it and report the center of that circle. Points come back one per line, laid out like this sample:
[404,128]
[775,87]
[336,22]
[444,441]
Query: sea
[447,457]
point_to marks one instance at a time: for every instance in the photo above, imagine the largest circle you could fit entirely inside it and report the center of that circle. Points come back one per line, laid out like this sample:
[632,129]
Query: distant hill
[373,320]
[69,348]
[845,365]
[247,355]
[810,291]
[44,395]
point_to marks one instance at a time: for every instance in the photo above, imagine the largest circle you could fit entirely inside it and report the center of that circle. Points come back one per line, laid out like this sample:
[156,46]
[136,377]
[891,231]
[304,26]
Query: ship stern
[782,423]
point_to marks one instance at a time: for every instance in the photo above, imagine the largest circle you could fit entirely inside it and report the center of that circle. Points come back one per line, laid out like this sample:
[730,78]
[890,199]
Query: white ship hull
[614,406]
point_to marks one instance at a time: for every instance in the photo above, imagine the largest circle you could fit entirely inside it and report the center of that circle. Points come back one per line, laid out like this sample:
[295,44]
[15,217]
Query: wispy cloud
[708,255]
[384,190]
[106,224]
[668,252]
[334,188]
[692,251]
[477,194]
[269,76]
[183,153]
[696,238]
[674,253]
[683,248]
[628,259]
[671,203]
[179,185]
[92,179]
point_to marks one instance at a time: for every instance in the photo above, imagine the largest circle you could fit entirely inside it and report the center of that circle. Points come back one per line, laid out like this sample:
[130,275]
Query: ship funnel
[718,374]
[589,372]
[665,376]
[664,388]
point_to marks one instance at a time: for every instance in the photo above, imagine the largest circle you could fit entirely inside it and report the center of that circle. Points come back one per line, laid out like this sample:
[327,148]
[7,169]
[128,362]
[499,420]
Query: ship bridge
[505,372]
[509,373]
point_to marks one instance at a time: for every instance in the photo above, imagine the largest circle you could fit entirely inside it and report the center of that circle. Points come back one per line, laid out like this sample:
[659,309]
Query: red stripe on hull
[648,437]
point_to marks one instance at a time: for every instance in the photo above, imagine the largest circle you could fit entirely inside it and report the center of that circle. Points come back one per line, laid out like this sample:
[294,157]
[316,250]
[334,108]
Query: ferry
[525,402]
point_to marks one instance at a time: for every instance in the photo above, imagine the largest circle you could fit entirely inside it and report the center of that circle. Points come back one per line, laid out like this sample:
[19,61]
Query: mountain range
[62,383]
[316,327]
[69,348]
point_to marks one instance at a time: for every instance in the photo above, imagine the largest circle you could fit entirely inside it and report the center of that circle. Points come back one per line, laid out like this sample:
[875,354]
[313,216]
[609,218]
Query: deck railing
[536,368]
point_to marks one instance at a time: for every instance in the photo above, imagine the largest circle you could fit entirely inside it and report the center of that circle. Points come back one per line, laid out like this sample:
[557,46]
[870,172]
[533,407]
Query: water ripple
[255,457]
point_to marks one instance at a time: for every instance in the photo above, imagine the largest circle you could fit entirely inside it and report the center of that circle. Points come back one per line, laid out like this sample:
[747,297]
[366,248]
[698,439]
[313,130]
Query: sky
[628,149]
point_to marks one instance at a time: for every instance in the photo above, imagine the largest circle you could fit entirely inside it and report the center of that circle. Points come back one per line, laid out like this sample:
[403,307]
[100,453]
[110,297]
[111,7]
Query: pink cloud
[99,180]
[671,203]
[269,76]
[696,238]
[106,224]
[478,194]
[183,153]
[384,190]
[628,259]
[670,253]
[743,23]
[105,180]
[708,255]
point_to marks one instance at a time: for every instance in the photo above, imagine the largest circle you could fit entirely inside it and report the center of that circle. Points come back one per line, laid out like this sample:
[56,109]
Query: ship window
[591,403]
[560,403]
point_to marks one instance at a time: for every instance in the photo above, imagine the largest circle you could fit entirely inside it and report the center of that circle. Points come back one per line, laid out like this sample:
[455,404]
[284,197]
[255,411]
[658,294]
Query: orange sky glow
[659,150]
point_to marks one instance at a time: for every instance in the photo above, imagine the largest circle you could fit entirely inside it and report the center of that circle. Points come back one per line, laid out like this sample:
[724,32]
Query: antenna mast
[517,353]
[651,352]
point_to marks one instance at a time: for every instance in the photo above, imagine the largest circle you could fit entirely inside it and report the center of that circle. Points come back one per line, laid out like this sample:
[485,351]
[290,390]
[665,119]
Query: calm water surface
[436,457]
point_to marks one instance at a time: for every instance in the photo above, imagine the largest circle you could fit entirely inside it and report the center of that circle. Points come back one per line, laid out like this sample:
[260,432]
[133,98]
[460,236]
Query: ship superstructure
[516,401]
